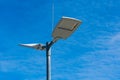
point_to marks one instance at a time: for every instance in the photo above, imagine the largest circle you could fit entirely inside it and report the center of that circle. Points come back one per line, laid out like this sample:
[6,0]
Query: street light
[63,30]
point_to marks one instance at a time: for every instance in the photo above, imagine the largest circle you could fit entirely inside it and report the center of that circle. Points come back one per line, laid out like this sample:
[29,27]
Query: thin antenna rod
[52,14]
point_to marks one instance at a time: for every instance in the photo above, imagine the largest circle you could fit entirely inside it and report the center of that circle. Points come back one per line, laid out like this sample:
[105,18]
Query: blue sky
[91,53]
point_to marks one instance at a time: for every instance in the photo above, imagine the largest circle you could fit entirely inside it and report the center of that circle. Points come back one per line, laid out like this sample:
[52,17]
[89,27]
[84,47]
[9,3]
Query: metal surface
[34,45]
[48,62]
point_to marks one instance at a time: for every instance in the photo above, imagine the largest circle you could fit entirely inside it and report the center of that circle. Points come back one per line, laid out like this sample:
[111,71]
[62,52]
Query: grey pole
[48,62]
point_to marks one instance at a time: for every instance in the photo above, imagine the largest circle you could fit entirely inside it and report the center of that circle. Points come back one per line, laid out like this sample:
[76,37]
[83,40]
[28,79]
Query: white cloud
[115,39]
[103,63]
[31,65]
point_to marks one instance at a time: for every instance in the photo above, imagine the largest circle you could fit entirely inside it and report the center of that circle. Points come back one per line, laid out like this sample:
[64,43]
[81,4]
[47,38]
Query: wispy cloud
[115,39]
[102,63]
[32,65]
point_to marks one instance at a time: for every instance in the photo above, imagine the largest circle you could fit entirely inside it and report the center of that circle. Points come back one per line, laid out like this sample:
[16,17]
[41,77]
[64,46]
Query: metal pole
[48,62]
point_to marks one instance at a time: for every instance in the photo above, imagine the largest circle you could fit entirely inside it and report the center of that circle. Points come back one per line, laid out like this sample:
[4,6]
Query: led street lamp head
[34,45]
[65,28]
